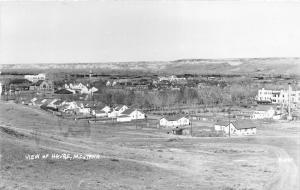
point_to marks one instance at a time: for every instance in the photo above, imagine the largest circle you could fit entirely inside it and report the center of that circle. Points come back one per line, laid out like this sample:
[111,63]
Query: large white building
[279,96]
[35,78]
[174,121]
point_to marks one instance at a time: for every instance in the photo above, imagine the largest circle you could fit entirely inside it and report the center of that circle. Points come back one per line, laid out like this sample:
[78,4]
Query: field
[140,158]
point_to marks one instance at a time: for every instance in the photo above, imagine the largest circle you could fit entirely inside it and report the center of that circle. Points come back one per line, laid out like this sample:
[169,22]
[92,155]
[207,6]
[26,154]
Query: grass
[132,158]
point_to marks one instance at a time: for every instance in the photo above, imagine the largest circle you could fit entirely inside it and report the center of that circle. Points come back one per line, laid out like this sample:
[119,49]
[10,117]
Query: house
[86,90]
[48,104]
[106,109]
[263,112]
[83,110]
[124,118]
[69,107]
[32,101]
[37,102]
[51,103]
[19,84]
[120,108]
[112,113]
[58,103]
[99,113]
[42,85]
[35,78]
[131,114]
[236,128]
[174,121]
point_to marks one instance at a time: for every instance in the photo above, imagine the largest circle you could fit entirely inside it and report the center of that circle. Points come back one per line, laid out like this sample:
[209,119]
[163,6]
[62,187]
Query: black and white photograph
[149,95]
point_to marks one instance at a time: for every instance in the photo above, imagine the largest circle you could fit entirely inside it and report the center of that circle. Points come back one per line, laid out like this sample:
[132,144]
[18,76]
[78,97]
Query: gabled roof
[244,124]
[222,122]
[99,111]
[174,117]
[117,108]
[38,101]
[58,102]
[238,124]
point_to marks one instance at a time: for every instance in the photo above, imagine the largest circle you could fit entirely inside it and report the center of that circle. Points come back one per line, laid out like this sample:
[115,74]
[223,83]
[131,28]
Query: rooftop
[239,124]
[174,117]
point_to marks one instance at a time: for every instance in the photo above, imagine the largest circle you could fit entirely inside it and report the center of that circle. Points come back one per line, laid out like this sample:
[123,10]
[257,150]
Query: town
[187,104]
[149,95]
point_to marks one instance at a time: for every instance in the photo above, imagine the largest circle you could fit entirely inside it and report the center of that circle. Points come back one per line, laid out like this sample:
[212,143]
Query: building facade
[279,96]
[35,78]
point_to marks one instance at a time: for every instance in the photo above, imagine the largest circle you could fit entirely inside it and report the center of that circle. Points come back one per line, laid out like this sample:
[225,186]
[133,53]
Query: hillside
[201,66]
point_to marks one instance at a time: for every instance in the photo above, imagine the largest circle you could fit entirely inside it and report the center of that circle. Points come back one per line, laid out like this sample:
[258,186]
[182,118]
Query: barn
[236,128]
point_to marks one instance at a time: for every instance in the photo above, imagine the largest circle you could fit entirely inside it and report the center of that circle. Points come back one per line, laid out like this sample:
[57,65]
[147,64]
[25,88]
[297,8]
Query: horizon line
[181,59]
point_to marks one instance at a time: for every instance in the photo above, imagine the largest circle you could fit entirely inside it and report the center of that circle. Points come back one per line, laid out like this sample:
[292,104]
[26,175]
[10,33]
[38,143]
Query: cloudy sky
[100,31]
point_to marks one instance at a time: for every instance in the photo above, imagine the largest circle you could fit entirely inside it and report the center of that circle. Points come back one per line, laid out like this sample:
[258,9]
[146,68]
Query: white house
[117,111]
[33,100]
[174,121]
[124,118]
[106,109]
[263,112]
[35,78]
[112,113]
[84,111]
[236,128]
[69,106]
[131,114]
[51,103]
[120,109]
[81,88]
[99,113]
[86,90]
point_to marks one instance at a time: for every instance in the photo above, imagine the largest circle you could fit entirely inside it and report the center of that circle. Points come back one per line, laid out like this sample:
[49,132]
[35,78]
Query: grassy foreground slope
[130,158]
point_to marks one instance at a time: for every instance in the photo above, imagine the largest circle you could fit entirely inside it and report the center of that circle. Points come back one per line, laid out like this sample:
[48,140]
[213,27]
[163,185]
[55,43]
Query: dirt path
[287,177]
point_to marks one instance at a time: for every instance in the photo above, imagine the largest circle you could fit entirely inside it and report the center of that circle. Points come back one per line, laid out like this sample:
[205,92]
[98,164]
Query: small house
[120,108]
[174,121]
[131,114]
[99,113]
[42,85]
[263,112]
[69,106]
[83,110]
[106,109]
[236,128]
[112,114]
[124,118]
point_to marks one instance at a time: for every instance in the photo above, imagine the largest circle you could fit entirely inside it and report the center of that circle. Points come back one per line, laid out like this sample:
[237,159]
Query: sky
[117,31]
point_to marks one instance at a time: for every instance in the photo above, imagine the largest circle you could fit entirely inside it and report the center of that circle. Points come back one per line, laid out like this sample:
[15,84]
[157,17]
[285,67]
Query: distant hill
[285,66]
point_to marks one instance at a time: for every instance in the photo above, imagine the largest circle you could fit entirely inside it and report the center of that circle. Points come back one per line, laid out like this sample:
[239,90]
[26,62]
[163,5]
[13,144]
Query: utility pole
[136,118]
[289,103]
[191,127]
[229,121]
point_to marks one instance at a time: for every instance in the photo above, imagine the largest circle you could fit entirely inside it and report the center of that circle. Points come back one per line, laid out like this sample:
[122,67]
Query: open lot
[143,158]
